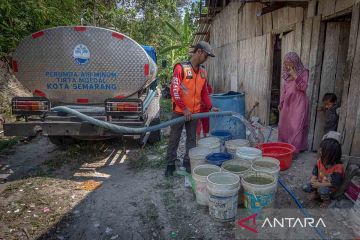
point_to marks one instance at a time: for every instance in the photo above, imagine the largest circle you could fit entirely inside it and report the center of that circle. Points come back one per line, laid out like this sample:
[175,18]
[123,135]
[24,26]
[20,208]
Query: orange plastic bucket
[281,151]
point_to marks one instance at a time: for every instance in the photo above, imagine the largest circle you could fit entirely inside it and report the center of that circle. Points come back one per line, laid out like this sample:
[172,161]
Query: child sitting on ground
[328,173]
[330,108]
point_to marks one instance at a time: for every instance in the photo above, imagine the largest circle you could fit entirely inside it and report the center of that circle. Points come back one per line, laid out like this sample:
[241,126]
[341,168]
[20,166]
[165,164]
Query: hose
[87,109]
[302,209]
[149,100]
[148,96]
[129,130]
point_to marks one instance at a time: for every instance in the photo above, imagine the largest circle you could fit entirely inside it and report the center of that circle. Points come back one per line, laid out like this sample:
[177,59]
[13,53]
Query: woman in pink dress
[294,104]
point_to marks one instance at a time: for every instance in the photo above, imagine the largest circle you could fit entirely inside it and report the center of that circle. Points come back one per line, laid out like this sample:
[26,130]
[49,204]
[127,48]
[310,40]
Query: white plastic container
[197,156]
[259,190]
[267,164]
[212,143]
[200,174]
[238,168]
[231,146]
[248,153]
[223,191]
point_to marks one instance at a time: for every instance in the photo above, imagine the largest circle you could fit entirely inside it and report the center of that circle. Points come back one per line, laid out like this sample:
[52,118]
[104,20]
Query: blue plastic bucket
[223,135]
[218,158]
[230,101]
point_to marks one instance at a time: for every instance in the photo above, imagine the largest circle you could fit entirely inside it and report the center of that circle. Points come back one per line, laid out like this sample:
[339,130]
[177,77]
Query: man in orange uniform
[188,90]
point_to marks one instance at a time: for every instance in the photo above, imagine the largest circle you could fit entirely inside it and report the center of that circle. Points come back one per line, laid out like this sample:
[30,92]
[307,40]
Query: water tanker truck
[96,71]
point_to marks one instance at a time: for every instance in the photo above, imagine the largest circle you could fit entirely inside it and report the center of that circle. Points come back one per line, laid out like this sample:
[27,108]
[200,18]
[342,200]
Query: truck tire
[62,141]
[156,135]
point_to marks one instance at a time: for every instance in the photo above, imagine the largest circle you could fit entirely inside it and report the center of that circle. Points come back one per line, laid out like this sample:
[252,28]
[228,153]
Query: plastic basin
[278,144]
[218,158]
[283,154]
[222,134]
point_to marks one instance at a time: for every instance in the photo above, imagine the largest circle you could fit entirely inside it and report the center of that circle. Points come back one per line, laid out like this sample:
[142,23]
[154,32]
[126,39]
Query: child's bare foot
[314,197]
[325,204]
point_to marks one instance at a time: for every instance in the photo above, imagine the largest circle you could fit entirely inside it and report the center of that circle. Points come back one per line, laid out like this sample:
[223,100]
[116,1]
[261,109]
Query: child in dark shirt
[328,173]
[331,117]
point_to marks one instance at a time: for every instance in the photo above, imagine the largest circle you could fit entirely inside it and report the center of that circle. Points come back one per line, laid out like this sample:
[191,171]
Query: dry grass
[34,205]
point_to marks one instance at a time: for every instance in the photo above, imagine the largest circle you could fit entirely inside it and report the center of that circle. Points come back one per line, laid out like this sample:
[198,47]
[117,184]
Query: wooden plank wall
[255,63]
[330,7]
[223,38]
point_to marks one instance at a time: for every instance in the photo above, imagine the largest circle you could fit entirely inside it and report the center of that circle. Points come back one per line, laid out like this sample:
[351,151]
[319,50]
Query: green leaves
[173,28]
[170,48]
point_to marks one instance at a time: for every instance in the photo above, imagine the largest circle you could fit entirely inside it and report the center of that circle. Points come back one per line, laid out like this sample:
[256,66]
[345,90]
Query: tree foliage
[167,25]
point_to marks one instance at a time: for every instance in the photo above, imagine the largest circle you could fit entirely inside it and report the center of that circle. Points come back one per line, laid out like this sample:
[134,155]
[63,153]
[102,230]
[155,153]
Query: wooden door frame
[315,74]
[332,77]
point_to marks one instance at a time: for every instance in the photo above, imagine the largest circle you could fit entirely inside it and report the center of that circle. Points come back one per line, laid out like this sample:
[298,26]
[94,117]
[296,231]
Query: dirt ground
[43,199]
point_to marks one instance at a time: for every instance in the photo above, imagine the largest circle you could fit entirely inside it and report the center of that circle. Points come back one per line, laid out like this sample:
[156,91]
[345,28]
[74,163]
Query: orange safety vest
[190,88]
[324,173]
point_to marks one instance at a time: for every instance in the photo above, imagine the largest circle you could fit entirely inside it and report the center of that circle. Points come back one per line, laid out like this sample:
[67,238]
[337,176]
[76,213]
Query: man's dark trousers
[175,135]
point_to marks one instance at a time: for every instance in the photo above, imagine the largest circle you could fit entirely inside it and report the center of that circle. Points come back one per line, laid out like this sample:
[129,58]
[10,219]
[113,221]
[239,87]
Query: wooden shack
[250,39]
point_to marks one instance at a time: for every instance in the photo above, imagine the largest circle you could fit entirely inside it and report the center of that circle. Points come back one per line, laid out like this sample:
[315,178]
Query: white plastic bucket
[259,190]
[197,156]
[231,146]
[238,168]
[248,153]
[223,191]
[267,164]
[199,174]
[212,143]
[355,220]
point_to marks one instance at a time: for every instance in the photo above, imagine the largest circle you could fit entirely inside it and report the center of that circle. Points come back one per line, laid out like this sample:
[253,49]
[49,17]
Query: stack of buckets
[240,176]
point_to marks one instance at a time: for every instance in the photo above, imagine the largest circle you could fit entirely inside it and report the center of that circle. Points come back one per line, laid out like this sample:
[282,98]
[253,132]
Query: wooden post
[311,8]
[347,119]
[315,62]
[351,136]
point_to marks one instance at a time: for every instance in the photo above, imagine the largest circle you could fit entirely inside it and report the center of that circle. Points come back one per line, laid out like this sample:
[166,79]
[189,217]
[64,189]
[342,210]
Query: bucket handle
[254,195]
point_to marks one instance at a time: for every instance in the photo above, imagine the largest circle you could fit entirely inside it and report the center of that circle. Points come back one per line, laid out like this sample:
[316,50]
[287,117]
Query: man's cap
[205,46]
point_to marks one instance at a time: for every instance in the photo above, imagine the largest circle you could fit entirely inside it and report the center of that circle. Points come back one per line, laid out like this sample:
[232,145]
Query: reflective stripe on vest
[190,88]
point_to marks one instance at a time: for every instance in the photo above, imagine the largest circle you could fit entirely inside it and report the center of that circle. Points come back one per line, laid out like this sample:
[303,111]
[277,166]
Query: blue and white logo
[81,54]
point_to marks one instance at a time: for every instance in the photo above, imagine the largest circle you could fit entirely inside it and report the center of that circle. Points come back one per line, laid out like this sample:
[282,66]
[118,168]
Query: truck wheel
[156,135]
[61,141]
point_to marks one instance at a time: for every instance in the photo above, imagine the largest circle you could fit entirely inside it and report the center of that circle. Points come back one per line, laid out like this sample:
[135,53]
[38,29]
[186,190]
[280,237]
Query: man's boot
[170,169]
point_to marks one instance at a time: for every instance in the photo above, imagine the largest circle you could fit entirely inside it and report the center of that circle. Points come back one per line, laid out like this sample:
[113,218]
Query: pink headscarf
[295,59]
